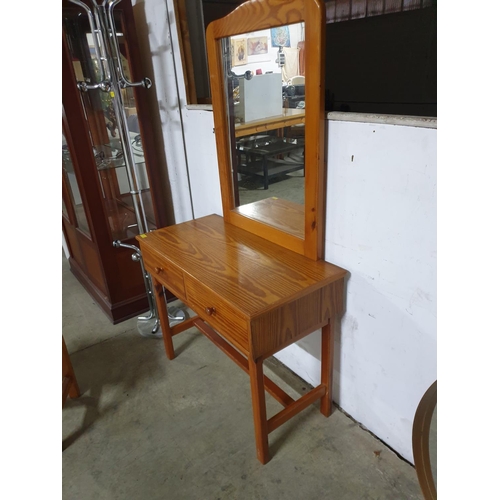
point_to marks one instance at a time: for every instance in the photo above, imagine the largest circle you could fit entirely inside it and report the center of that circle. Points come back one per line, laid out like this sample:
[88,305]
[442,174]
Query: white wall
[380,226]
[202,162]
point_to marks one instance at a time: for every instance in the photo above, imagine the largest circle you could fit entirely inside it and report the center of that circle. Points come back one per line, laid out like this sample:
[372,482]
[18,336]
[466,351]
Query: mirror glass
[265,97]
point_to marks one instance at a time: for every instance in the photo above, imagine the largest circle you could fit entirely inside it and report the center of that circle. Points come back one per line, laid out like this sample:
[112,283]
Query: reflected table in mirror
[267,157]
[289,118]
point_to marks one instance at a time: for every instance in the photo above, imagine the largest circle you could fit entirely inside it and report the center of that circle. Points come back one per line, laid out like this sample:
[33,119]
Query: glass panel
[74,191]
[107,145]
[265,89]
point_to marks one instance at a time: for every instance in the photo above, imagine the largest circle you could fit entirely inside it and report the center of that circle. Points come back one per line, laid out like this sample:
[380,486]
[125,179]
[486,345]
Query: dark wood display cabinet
[101,202]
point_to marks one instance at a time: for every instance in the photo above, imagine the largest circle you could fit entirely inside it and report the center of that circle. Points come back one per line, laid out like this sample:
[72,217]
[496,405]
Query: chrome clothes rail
[111,79]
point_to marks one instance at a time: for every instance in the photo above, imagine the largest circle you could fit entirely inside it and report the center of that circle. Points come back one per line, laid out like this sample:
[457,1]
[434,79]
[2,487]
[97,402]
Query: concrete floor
[148,428]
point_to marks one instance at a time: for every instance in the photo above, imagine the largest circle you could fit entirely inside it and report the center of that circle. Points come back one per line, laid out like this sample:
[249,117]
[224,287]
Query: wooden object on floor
[420,440]
[252,298]
[69,384]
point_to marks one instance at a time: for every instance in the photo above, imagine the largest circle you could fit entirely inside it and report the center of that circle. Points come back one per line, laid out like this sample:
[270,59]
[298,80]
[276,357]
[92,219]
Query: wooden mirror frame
[256,15]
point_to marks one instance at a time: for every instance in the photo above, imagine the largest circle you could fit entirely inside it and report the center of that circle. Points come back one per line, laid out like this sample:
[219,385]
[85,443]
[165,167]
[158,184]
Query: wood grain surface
[250,273]
[295,320]
[165,272]
[219,312]
[256,296]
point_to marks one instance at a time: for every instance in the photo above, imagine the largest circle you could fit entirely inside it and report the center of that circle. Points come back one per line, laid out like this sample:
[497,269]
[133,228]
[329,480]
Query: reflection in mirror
[266,105]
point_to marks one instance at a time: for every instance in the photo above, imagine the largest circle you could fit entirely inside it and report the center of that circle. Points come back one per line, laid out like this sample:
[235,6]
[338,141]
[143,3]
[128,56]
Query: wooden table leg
[259,409]
[327,333]
[161,306]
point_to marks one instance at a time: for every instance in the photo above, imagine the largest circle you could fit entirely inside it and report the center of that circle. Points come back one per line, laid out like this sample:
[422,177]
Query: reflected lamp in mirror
[270,132]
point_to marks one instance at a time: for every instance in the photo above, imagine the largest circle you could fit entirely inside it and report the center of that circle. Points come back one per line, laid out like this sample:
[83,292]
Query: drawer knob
[158,270]
[210,310]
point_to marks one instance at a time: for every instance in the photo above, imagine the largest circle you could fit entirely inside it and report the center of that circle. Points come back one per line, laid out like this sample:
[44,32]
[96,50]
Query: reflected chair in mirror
[421,437]
[298,80]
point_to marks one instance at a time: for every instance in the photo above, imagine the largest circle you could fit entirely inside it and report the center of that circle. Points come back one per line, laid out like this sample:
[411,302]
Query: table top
[289,117]
[251,273]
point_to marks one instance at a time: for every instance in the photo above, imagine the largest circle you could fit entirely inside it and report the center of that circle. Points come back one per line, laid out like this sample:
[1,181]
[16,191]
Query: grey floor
[148,428]
[287,187]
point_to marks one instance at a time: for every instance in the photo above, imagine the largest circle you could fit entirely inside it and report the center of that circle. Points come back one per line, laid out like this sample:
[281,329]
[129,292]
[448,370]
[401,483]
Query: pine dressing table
[256,277]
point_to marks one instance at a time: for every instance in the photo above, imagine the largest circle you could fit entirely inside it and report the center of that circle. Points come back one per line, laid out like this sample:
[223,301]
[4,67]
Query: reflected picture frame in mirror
[300,230]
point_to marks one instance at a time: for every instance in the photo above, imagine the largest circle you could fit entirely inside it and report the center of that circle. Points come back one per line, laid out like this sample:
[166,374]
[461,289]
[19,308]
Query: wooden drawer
[219,314]
[169,275]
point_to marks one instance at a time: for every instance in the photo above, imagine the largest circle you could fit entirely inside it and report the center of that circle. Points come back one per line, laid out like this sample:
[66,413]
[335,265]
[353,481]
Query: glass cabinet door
[119,190]
[114,177]
[73,208]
